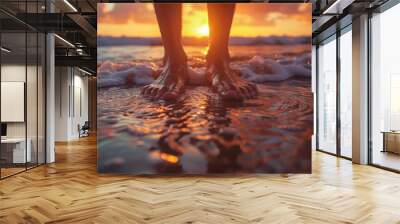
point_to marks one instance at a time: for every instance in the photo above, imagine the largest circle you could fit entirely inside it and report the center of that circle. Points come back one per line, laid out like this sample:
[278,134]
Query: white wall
[13,101]
[79,103]
[12,73]
[62,81]
[71,87]
[33,126]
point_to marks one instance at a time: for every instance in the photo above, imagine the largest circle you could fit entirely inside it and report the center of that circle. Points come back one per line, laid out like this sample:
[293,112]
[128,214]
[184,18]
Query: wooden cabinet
[391,142]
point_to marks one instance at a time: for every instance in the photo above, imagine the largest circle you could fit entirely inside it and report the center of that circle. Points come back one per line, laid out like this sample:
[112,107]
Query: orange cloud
[251,19]
[122,13]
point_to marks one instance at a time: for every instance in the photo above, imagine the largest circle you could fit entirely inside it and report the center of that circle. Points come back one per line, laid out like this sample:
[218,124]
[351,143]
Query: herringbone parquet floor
[71,191]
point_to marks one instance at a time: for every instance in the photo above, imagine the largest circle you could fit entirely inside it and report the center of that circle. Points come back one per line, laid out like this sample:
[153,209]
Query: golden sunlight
[250,20]
[202,31]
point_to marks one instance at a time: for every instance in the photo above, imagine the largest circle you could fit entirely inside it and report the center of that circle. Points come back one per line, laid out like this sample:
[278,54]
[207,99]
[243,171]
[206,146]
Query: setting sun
[202,31]
[250,20]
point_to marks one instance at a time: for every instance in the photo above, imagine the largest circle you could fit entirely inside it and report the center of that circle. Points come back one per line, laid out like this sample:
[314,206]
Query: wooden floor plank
[71,191]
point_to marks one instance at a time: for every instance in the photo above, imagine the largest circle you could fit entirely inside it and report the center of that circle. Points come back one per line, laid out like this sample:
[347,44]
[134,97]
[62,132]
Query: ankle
[217,56]
[176,60]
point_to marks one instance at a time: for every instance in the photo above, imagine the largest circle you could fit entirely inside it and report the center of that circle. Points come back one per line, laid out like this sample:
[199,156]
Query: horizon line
[290,36]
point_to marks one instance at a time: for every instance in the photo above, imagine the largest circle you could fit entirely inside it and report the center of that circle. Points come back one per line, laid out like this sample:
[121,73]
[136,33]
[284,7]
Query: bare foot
[170,84]
[227,83]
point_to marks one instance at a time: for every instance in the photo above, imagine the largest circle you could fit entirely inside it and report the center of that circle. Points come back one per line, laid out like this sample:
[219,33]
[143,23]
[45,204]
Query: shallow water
[200,134]
[151,53]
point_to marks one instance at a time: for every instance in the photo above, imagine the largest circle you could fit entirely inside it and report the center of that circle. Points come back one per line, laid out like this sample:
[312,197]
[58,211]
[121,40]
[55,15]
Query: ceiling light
[70,5]
[5,50]
[338,6]
[79,51]
[84,71]
[64,40]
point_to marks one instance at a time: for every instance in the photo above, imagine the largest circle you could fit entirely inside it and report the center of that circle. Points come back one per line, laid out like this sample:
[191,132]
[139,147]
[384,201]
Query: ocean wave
[195,41]
[258,69]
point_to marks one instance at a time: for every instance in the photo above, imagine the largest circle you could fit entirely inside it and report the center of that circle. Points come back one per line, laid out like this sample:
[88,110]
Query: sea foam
[256,69]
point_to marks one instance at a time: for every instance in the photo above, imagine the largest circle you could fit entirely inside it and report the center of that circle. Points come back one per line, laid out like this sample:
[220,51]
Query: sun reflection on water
[164,156]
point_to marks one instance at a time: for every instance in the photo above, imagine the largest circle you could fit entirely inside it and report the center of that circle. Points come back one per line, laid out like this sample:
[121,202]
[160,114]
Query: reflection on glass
[346,94]
[394,101]
[385,84]
[41,98]
[31,100]
[14,153]
[327,96]
[22,90]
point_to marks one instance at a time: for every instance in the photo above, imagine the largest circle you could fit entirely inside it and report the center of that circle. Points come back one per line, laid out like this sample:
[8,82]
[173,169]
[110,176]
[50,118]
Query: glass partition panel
[14,153]
[327,96]
[31,98]
[346,94]
[41,78]
[22,77]
[385,89]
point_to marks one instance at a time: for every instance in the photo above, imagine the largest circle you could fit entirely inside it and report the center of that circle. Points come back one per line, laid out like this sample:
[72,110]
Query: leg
[224,80]
[172,80]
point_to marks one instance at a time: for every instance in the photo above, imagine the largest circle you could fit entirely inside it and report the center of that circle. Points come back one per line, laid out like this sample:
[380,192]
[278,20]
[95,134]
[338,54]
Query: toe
[154,92]
[249,92]
[255,90]
[143,90]
[148,90]
[230,95]
[161,92]
[169,96]
[244,92]
[228,92]
[252,89]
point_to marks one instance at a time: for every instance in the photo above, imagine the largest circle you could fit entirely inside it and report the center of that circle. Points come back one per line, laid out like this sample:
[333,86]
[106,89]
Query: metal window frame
[387,5]
[339,32]
[44,75]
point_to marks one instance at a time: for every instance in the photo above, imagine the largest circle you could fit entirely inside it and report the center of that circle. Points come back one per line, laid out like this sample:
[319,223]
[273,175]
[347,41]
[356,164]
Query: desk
[391,141]
[18,149]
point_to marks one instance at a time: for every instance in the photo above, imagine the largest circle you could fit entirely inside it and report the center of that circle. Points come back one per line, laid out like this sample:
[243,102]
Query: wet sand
[199,134]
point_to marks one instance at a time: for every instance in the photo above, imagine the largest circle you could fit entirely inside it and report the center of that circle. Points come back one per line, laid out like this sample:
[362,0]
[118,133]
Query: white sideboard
[19,153]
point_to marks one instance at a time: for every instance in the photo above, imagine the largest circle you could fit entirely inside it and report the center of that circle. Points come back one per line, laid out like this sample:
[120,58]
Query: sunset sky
[250,20]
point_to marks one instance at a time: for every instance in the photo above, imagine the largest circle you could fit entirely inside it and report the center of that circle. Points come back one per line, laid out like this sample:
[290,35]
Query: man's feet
[170,84]
[227,83]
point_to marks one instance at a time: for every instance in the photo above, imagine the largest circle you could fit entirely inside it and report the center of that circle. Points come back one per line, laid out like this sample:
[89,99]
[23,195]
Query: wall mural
[195,88]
